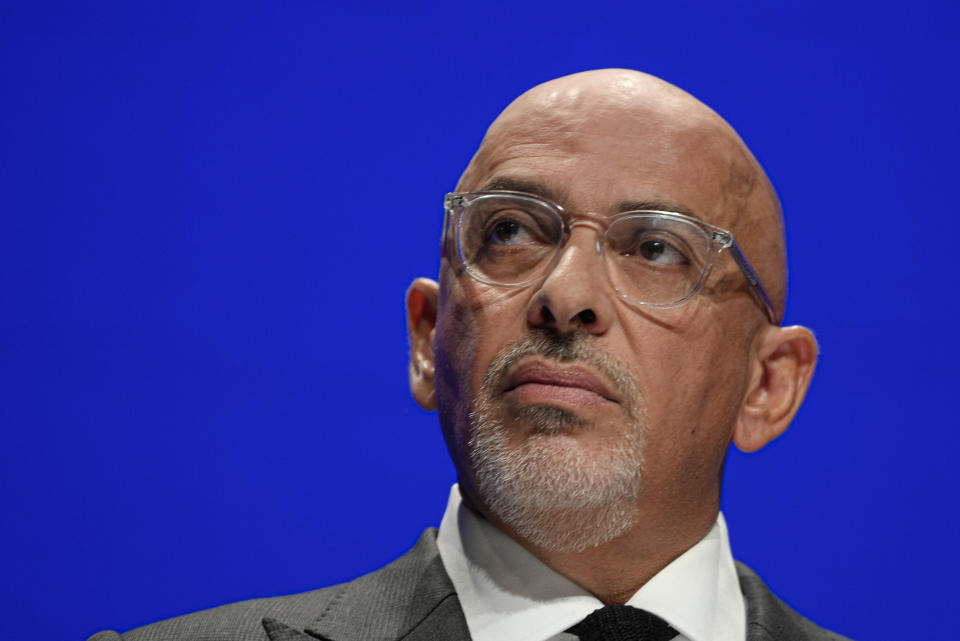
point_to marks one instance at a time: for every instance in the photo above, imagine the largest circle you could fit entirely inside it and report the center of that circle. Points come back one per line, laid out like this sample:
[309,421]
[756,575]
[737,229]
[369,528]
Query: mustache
[562,348]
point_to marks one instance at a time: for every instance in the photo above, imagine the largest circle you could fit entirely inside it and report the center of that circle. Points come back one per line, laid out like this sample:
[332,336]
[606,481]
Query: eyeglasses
[656,259]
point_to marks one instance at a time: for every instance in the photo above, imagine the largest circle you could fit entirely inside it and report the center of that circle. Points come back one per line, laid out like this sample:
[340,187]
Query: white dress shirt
[507,594]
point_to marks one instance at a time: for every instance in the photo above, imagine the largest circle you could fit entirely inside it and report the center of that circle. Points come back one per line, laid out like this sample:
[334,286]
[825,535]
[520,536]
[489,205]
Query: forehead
[597,154]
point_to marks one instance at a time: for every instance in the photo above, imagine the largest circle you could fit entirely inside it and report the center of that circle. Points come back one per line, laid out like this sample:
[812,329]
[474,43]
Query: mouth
[540,382]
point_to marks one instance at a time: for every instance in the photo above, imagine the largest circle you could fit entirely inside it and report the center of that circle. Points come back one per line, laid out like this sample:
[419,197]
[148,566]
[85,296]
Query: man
[596,340]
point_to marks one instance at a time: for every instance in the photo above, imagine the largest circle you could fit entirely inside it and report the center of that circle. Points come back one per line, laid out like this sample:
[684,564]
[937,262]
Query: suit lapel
[444,622]
[410,599]
[434,611]
[278,631]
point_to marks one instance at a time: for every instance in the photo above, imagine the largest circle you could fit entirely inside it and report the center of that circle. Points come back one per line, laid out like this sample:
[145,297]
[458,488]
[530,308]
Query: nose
[575,295]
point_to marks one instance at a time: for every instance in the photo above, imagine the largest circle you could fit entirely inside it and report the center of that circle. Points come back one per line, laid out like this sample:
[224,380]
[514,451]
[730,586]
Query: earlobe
[785,360]
[421,323]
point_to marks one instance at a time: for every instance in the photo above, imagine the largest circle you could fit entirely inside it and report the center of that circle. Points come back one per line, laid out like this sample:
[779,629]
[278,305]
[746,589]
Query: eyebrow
[534,188]
[656,205]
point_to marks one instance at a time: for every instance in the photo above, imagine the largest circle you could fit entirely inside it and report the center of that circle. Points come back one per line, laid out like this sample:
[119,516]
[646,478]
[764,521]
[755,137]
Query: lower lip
[543,393]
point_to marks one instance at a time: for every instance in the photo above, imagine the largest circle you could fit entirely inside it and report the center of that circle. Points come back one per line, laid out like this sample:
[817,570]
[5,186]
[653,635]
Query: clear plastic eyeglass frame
[720,239]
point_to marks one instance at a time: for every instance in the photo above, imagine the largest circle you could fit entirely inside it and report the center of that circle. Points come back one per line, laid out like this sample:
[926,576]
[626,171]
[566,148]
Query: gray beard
[549,488]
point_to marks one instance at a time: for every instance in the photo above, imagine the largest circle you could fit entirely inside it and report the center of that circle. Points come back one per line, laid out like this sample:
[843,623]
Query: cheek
[473,324]
[693,380]
[454,348]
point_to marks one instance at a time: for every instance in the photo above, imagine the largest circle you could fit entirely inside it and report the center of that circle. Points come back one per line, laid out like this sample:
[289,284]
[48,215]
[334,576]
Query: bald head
[677,149]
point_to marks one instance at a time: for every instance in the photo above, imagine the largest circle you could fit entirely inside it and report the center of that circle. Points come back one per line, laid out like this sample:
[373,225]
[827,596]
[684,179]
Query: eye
[654,247]
[661,252]
[507,231]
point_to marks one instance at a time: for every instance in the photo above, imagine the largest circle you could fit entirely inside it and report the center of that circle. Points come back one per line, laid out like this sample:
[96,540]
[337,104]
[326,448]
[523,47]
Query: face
[571,414]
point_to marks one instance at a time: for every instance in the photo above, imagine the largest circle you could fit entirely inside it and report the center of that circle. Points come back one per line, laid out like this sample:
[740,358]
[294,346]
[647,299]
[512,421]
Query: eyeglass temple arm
[753,279]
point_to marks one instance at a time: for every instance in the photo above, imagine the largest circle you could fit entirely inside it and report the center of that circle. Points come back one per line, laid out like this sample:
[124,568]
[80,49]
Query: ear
[785,359]
[421,323]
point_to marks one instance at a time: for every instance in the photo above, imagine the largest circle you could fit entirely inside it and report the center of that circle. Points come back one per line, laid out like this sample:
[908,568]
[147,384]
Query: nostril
[547,314]
[587,317]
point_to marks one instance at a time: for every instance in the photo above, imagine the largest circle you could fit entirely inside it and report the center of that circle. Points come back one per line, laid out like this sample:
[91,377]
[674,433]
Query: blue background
[209,213]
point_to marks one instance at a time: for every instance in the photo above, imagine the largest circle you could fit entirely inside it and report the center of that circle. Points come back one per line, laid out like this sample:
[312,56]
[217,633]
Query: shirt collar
[507,594]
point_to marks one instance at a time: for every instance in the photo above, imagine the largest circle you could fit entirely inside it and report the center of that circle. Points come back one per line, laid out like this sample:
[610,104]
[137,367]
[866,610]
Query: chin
[553,488]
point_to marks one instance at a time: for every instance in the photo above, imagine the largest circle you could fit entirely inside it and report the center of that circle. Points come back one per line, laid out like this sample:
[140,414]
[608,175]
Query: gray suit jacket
[411,599]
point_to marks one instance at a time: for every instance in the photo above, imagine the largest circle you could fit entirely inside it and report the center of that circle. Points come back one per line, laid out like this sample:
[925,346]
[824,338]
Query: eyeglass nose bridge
[590,220]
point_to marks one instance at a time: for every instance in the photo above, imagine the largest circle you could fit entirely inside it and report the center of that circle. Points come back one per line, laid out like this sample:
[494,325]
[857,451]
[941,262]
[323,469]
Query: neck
[614,571]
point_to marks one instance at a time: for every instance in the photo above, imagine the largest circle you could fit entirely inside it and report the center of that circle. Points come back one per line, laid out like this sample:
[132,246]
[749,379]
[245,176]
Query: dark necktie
[623,623]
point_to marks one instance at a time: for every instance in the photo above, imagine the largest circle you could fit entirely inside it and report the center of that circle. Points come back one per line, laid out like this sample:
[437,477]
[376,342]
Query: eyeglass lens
[652,258]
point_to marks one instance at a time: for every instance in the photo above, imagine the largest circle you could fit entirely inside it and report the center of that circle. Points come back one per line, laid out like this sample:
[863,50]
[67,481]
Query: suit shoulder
[244,620]
[240,621]
[770,619]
